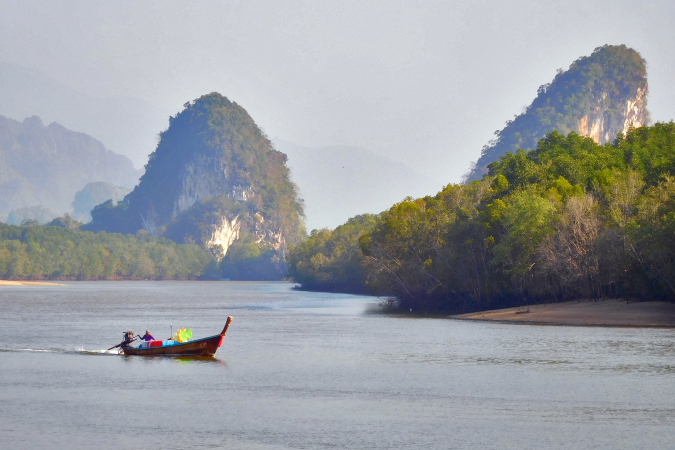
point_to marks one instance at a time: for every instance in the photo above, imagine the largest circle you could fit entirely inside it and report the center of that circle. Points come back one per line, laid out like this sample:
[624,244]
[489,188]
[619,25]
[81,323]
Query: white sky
[423,82]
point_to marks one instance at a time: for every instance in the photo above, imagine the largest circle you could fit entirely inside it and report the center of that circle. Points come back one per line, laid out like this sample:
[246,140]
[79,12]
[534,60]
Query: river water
[302,370]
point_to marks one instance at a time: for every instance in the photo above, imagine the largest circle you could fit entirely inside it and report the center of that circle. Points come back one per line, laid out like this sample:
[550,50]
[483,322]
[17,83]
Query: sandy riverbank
[29,283]
[616,313]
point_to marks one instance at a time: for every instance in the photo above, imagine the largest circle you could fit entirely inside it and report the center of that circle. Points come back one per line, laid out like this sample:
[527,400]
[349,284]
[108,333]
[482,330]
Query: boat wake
[82,351]
[77,351]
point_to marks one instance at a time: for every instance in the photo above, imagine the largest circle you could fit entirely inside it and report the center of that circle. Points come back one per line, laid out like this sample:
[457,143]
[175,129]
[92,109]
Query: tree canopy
[60,251]
[570,219]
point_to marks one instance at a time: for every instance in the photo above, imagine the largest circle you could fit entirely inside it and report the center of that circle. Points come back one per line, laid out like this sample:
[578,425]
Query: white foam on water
[81,349]
[78,350]
[31,350]
[102,352]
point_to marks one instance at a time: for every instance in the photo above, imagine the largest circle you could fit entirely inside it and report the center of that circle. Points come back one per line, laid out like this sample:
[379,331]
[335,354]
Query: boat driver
[148,336]
[128,338]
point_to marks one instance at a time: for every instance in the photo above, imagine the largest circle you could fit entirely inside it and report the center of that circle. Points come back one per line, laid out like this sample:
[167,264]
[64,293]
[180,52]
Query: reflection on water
[152,359]
[313,370]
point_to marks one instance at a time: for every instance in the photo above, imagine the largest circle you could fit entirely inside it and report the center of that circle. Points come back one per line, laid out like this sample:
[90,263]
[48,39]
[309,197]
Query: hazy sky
[423,82]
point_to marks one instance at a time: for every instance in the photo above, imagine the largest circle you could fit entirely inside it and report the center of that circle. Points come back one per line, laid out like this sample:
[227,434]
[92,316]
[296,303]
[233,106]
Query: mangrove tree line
[570,219]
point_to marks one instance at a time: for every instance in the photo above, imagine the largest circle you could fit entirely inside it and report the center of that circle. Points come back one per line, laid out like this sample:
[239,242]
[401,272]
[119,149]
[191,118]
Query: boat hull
[201,347]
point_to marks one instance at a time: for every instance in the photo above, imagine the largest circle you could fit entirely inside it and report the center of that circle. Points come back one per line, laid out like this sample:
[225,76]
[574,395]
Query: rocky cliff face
[602,125]
[214,179]
[600,96]
[222,234]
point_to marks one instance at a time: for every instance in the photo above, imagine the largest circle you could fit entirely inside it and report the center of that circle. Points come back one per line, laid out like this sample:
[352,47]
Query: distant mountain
[337,183]
[599,96]
[121,123]
[38,213]
[94,194]
[214,179]
[46,165]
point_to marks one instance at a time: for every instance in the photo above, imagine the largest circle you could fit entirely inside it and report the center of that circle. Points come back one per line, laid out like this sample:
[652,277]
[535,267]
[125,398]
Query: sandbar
[29,283]
[609,313]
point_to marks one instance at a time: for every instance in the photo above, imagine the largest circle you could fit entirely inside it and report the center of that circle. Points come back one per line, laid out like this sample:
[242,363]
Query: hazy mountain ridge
[599,96]
[46,165]
[339,182]
[27,92]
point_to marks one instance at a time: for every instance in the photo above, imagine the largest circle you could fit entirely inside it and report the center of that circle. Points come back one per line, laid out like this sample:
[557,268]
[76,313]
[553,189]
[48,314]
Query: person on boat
[128,338]
[148,336]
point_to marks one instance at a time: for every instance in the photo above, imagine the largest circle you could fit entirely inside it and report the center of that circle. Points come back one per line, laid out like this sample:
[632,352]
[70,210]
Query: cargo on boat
[207,346]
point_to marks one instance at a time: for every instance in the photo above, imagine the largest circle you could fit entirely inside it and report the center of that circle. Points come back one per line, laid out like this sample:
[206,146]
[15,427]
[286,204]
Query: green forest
[59,251]
[570,219]
[331,260]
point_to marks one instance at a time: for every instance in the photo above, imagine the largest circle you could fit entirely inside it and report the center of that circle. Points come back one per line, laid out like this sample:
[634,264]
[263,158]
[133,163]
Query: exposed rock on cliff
[214,179]
[599,96]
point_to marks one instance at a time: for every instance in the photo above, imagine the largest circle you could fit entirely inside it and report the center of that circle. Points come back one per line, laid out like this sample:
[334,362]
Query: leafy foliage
[60,252]
[252,261]
[331,260]
[570,219]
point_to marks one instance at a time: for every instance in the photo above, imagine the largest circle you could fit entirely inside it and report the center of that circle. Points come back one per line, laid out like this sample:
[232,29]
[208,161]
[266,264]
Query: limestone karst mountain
[599,96]
[214,179]
[44,166]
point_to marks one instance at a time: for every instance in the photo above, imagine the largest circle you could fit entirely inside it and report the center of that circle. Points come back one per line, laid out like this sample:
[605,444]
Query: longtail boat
[197,347]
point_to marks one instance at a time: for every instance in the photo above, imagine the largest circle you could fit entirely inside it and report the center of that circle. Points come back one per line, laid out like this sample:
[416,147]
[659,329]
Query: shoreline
[29,283]
[601,313]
